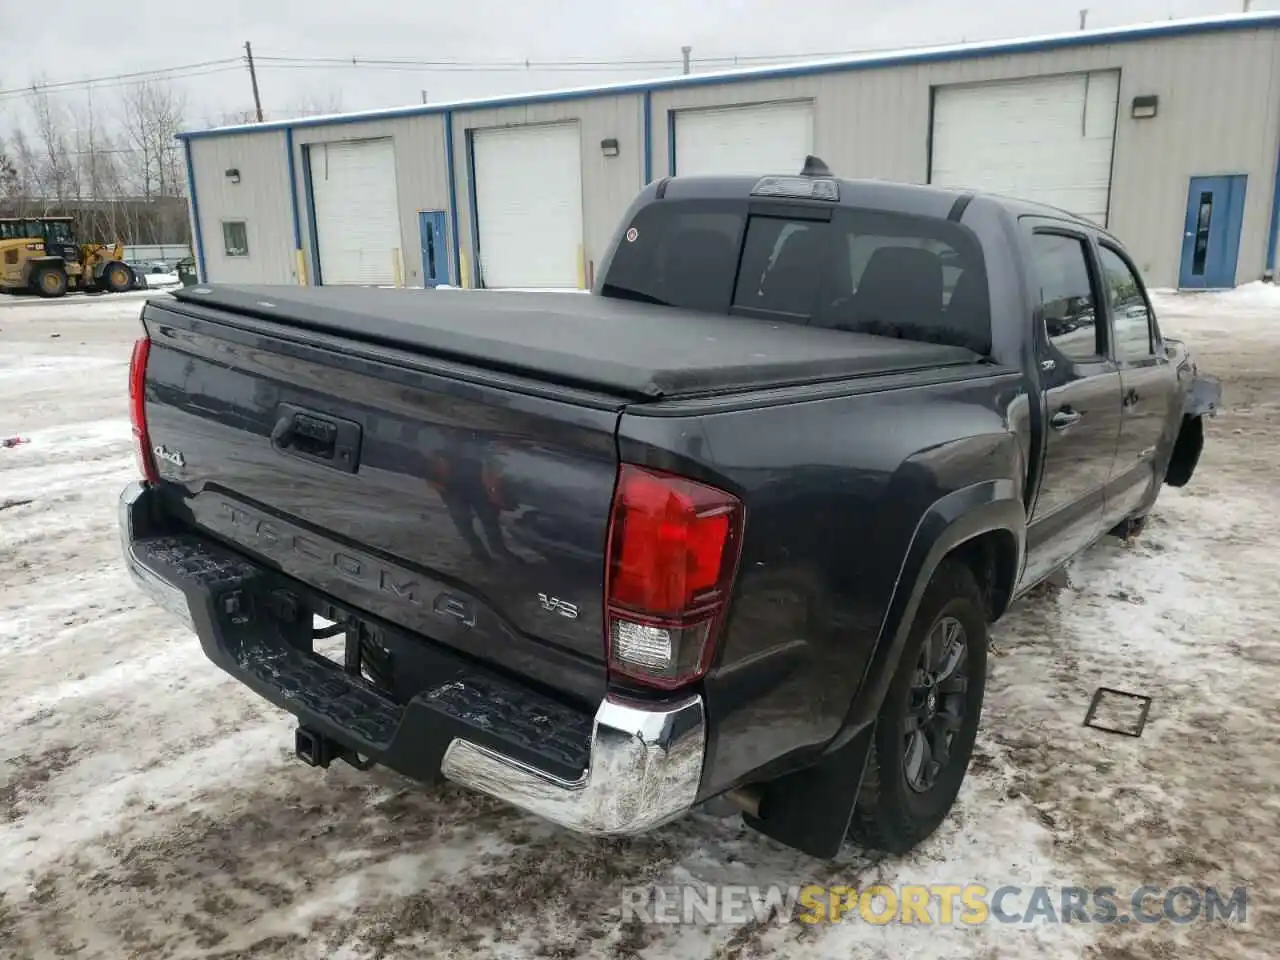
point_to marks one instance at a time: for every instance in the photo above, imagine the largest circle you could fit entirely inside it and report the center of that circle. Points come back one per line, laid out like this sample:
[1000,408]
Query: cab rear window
[865,271]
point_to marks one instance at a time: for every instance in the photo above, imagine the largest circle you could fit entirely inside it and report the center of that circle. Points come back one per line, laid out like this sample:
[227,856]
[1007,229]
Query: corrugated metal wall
[609,184]
[1218,114]
[422,181]
[260,199]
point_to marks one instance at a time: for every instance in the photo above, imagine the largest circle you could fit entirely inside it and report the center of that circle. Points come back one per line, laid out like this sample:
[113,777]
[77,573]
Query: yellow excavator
[41,254]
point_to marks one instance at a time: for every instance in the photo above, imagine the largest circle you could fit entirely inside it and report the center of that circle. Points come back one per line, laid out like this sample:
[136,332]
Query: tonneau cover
[616,346]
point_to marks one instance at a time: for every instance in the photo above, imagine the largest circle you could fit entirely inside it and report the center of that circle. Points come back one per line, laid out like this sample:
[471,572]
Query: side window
[781,266]
[1061,271]
[1129,312]
[235,238]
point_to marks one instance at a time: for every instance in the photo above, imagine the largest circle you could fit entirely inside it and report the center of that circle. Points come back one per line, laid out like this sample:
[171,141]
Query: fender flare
[992,505]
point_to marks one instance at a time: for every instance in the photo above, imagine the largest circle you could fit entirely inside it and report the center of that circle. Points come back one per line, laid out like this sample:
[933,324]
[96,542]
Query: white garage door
[759,139]
[357,211]
[529,205]
[1047,139]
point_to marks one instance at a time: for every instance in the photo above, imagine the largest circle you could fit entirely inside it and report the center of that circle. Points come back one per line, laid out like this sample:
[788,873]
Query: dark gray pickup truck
[731,528]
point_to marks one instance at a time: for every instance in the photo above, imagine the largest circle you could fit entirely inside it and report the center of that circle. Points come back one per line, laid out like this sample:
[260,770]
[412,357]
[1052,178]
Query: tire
[50,281]
[117,278]
[1129,528]
[893,814]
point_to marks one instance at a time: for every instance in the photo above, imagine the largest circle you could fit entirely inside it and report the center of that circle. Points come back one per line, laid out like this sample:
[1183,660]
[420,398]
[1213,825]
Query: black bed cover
[619,347]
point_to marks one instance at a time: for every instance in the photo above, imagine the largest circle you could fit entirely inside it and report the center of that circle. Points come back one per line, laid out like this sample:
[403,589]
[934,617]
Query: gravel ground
[151,807]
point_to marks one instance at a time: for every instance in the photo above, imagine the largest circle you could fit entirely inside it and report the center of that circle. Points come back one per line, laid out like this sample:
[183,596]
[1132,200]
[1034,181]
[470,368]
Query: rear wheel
[929,720]
[51,281]
[117,278]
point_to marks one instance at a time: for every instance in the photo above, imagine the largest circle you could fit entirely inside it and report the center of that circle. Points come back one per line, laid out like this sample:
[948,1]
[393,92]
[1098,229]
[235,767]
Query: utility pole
[424,96]
[253,78]
[1084,15]
[684,52]
[1247,5]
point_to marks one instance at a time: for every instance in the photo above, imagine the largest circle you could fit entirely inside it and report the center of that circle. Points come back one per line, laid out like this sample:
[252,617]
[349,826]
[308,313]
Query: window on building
[235,238]
[1130,314]
[1060,266]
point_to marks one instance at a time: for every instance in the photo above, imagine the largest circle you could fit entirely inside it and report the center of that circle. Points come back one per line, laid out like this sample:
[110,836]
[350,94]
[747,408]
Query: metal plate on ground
[1117,711]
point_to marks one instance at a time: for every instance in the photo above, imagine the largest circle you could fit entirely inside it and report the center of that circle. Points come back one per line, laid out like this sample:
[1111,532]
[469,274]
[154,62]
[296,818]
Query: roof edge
[889,58]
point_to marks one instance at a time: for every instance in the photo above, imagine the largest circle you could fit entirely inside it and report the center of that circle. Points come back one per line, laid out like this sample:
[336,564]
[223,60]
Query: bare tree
[98,162]
[55,174]
[233,118]
[8,176]
[152,115]
[315,105]
[26,183]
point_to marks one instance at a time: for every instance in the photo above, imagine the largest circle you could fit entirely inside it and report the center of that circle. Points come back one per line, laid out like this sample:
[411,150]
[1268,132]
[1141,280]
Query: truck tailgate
[473,514]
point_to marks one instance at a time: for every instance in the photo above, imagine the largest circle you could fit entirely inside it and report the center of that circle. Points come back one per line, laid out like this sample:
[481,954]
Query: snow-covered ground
[150,806]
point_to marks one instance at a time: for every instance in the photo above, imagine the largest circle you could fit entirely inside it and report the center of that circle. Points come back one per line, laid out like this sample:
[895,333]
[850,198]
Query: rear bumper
[630,767]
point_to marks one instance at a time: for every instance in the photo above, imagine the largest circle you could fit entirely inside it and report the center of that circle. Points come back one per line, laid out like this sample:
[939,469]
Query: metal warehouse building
[1168,134]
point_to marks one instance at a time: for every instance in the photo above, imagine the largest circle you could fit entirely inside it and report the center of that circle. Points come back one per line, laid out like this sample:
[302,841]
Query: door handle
[1065,419]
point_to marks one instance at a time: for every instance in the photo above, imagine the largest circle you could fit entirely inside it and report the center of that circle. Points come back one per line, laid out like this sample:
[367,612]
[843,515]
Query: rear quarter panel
[835,487]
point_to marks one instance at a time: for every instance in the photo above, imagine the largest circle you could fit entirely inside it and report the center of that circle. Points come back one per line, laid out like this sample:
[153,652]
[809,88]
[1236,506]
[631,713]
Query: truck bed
[632,350]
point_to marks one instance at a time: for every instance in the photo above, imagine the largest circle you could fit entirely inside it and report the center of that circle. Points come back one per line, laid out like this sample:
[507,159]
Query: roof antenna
[814,167]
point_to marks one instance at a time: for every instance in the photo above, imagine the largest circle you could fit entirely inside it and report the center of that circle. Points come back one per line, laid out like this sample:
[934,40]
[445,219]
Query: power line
[392,64]
[567,64]
[169,73]
[136,75]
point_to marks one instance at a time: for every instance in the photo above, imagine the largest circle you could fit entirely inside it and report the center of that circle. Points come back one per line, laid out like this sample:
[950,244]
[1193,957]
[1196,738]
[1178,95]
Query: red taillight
[673,553]
[138,409]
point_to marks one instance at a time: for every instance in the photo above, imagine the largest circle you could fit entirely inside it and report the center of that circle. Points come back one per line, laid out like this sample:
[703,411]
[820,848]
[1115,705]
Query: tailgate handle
[318,437]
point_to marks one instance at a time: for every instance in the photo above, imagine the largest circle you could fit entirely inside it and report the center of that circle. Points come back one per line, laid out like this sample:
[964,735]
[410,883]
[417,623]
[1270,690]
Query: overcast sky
[149,34]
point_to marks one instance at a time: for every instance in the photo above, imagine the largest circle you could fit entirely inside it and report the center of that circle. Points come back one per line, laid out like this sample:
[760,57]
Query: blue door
[1211,237]
[435,247]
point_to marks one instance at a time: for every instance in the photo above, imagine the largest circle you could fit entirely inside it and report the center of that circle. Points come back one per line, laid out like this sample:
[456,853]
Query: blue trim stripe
[453,196]
[1275,220]
[293,191]
[970,51]
[476,276]
[197,238]
[648,137]
[317,278]
[671,143]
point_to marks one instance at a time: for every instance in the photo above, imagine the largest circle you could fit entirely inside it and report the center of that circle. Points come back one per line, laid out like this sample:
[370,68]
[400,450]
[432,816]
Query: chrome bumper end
[645,768]
[163,593]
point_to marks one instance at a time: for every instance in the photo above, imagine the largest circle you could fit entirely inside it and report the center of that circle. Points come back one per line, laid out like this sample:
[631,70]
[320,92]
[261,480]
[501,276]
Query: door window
[1060,267]
[431,249]
[1204,214]
[1131,316]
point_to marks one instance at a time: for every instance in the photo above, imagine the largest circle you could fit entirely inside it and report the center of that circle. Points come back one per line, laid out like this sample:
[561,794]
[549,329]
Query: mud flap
[810,809]
[1203,397]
